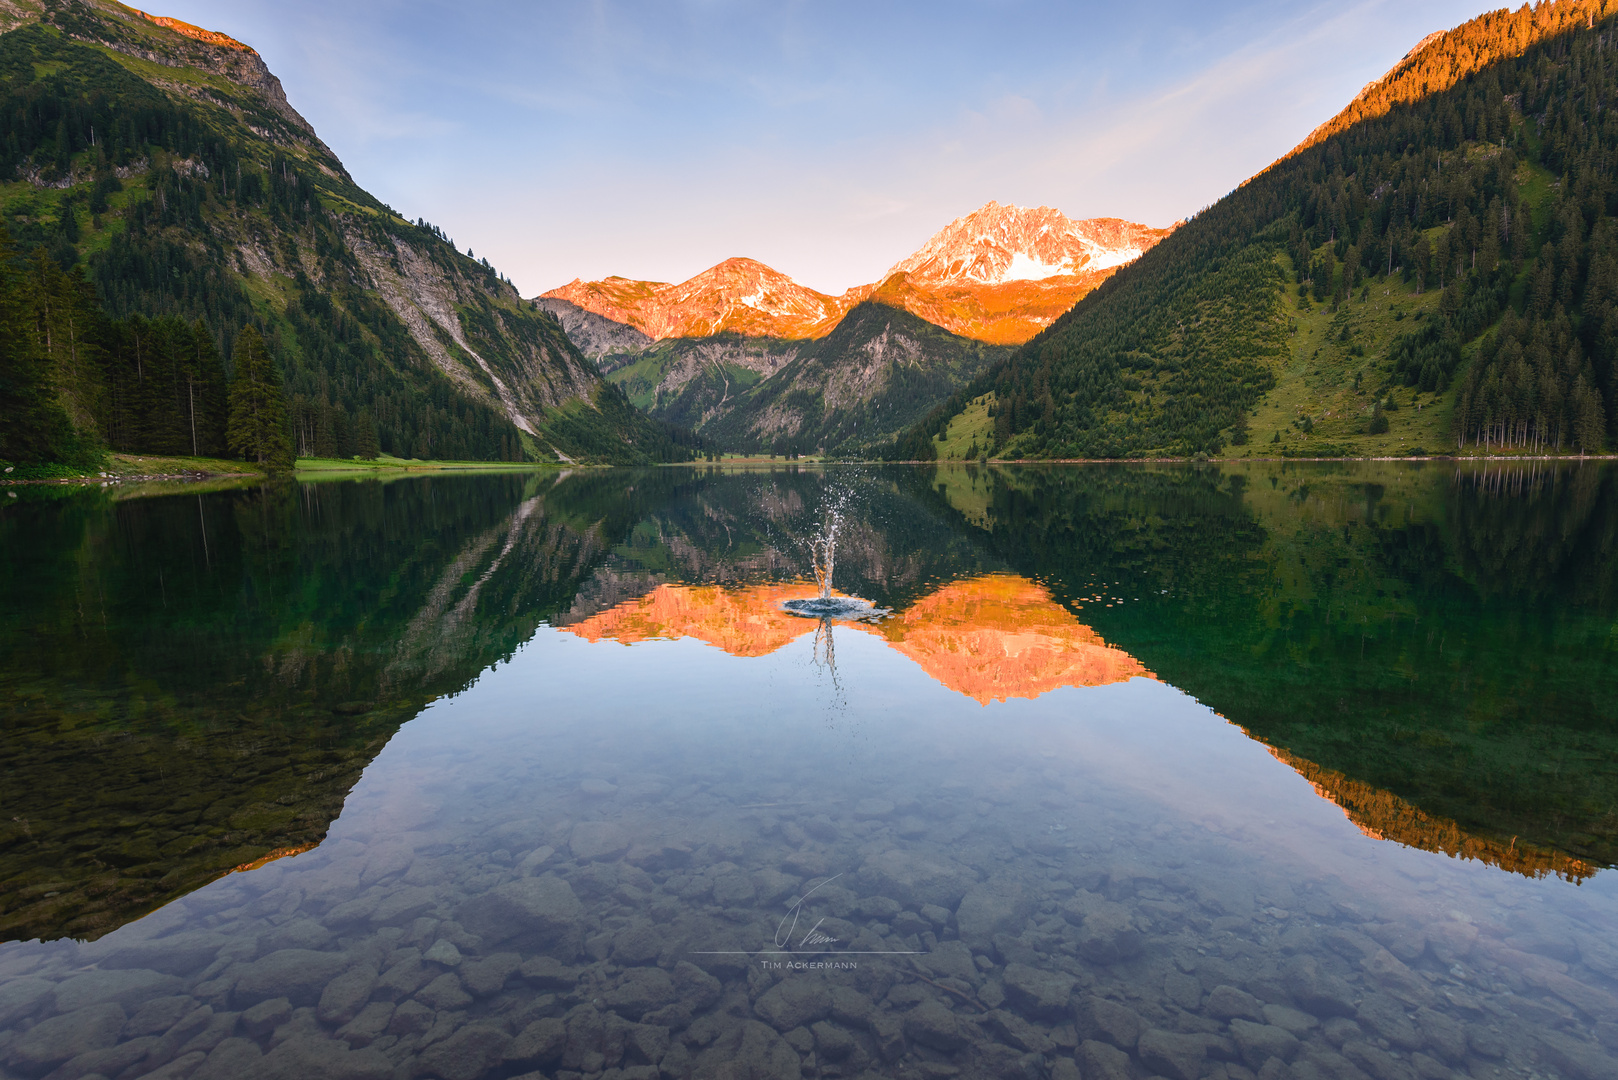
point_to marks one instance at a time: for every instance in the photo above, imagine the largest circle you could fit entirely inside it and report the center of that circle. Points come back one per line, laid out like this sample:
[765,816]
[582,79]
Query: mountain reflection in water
[1382,815]
[991,638]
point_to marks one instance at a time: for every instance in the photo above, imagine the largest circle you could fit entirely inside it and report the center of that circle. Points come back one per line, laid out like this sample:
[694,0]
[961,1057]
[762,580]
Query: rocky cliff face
[839,394]
[526,373]
[599,338]
[853,389]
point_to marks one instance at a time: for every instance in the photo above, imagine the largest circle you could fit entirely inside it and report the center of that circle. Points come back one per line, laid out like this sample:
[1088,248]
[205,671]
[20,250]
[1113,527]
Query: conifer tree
[365,441]
[34,427]
[257,424]
[205,393]
[65,320]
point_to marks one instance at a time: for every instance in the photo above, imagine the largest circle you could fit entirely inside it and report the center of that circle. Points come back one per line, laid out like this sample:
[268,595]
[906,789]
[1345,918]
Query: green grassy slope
[1329,383]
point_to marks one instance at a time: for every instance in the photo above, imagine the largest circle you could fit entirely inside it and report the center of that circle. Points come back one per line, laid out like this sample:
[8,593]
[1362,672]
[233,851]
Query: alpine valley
[753,360]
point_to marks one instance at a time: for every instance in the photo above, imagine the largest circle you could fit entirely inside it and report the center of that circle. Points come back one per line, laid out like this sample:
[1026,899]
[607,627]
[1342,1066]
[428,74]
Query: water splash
[823,560]
[823,547]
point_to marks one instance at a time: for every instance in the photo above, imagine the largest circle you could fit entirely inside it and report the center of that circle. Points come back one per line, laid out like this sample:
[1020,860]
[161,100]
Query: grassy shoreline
[130,468]
[126,469]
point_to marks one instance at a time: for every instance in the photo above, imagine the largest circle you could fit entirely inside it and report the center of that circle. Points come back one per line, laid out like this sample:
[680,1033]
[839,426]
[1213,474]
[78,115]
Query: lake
[1280,771]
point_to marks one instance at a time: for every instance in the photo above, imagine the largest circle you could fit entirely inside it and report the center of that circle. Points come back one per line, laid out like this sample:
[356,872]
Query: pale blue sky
[828,139]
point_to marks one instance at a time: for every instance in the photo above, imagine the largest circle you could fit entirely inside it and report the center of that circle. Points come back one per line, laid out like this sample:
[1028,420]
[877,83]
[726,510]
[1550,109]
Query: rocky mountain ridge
[997,244]
[740,296]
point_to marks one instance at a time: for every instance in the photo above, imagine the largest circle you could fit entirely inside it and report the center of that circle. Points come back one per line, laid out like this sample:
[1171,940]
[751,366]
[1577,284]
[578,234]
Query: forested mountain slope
[1495,193]
[163,173]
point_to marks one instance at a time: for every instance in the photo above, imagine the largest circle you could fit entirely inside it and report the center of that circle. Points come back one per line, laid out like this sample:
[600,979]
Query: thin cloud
[655,139]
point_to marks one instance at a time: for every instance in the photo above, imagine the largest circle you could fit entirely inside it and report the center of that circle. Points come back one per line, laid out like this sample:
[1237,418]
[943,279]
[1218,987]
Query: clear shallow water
[1031,850]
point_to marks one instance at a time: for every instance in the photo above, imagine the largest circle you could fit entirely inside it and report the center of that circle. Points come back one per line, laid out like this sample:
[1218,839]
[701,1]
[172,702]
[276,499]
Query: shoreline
[335,472]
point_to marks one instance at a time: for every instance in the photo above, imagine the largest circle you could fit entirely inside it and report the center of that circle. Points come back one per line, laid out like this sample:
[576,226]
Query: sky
[829,140]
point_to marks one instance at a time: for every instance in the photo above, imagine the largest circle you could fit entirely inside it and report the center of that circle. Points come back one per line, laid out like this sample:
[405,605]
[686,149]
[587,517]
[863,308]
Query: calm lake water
[1242,773]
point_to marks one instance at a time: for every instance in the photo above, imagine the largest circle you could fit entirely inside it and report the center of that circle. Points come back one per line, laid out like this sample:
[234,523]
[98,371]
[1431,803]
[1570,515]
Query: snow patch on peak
[998,243]
[1023,268]
[1108,260]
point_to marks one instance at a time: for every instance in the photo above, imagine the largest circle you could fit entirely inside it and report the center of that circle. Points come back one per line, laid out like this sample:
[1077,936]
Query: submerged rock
[641,990]
[1227,1002]
[20,999]
[914,878]
[1107,935]
[1172,1054]
[467,1054]
[543,906]
[934,1025]
[794,1002]
[1261,1042]
[593,841]
[1038,992]
[299,975]
[329,1059]
[1099,1061]
[51,1042]
[126,987]
[994,907]
[346,995]
[1098,1018]
[1321,993]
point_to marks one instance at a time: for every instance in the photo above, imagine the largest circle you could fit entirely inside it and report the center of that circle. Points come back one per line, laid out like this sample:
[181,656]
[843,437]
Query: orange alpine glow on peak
[211,37]
[1000,274]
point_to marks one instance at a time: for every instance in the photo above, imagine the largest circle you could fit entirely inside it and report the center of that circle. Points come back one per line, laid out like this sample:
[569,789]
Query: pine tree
[365,442]
[64,323]
[257,426]
[34,428]
[205,393]
[1588,421]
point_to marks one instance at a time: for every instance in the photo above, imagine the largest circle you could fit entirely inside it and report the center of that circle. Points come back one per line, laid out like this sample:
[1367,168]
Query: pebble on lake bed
[642,944]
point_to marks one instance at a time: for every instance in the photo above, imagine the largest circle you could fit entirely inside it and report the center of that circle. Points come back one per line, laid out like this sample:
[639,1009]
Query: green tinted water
[395,707]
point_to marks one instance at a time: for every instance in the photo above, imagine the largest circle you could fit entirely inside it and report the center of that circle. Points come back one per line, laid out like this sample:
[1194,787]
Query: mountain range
[754,360]
[999,275]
